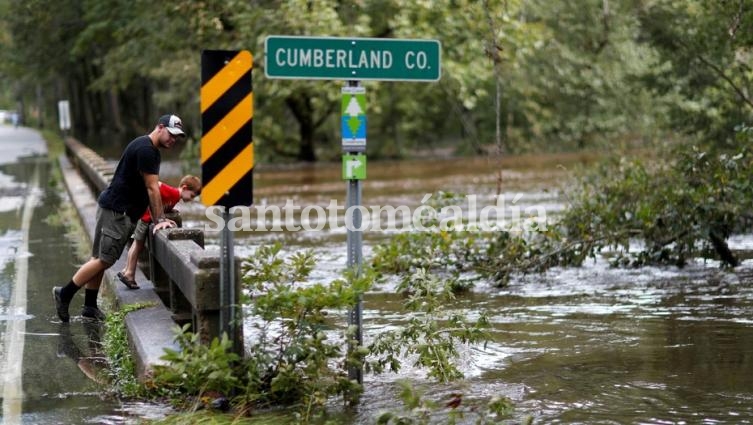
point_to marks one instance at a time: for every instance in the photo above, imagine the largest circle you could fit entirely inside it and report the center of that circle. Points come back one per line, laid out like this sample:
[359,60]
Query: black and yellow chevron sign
[227,111]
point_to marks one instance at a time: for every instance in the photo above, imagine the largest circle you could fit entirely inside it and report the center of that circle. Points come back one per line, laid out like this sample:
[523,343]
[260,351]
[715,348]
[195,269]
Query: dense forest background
[517,76]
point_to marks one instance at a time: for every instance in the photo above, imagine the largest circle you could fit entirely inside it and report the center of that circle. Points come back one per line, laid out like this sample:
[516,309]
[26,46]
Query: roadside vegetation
[65,215]
[121,375]
[298,362]
[518,76]
[634,212]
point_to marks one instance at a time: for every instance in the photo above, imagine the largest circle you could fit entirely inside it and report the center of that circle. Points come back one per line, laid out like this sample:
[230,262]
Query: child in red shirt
[188,189]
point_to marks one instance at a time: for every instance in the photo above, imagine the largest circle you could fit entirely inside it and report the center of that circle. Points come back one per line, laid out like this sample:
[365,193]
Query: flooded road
[591,345]
[46,365]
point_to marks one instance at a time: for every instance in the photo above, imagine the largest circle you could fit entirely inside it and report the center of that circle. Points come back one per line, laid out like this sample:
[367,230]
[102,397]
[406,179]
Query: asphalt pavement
[48,370]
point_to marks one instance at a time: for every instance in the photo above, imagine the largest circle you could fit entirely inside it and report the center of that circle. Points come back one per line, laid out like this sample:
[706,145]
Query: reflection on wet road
[46,366]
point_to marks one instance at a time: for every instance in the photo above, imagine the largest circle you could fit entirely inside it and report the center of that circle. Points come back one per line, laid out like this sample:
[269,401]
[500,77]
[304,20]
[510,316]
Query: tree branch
[720,72]
[729,81]
[732,31]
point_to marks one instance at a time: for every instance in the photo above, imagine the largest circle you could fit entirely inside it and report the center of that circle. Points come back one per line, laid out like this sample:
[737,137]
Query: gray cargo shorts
[140,233]
[112,232]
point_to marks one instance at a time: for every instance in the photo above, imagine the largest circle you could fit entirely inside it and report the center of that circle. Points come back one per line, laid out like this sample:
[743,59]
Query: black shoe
[60,305]
[93,313]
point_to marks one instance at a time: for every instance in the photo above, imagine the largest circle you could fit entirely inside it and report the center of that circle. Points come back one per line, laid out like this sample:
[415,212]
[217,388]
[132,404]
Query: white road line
[15,333]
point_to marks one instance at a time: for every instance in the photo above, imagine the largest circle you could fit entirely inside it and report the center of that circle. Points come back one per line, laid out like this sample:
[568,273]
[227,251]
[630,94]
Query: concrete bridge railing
[183,284]
[187,278]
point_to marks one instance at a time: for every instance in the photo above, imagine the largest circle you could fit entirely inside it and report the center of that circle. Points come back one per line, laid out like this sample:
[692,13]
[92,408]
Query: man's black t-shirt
[127,192]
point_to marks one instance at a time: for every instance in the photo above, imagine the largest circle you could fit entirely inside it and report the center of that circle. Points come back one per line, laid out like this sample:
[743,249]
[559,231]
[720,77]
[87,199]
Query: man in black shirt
[134,186]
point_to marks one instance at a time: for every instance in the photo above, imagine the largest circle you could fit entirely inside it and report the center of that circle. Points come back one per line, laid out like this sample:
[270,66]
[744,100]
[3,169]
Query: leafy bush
[298,356]
[115,344]
[295,343]
[432,335]
[671,211]
[295,359]
[641,212]
[198,369]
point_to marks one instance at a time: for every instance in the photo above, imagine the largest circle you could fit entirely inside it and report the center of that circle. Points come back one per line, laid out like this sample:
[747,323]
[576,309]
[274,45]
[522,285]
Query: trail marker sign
[353,119]
[343,58]
[354,167]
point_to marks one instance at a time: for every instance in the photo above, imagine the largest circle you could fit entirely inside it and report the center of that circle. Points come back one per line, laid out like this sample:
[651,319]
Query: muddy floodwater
[581,345]
[588,345]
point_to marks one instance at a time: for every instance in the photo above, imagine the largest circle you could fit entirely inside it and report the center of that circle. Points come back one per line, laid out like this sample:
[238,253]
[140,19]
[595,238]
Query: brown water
[582,345]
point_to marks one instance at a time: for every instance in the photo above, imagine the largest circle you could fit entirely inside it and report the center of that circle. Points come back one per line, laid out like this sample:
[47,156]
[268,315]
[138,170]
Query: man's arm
[151,181]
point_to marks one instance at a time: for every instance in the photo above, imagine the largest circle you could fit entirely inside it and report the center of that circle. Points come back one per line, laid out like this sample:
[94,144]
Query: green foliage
[295,350]
[461,256]
[115,345]
[431,334]
[297,358]
[634,211]
[579,73]
[419,407]
[538,250]
[704,66]
[580,83]
[197,368]
[441,250]
[674,211]
[295,343]
[420,410]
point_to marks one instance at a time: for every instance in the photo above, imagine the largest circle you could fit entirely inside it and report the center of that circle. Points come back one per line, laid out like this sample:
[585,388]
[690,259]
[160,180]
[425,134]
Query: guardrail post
[157,274]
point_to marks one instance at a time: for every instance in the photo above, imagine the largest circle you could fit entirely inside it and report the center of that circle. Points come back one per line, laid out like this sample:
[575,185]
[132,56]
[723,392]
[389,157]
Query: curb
[150,330]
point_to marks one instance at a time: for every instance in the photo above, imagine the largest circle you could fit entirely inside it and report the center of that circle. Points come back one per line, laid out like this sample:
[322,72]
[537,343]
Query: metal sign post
[229,318]
[354,170]
[227,162]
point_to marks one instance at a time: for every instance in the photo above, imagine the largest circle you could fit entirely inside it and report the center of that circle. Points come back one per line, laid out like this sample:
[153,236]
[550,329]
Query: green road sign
[330,58]
[354,167]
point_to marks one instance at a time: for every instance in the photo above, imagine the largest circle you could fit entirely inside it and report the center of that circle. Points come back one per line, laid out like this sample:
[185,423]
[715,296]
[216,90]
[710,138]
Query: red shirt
[170,196]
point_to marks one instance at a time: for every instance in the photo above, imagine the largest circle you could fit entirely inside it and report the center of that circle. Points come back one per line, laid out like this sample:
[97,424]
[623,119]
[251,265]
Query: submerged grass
[206,417]
[115,345]
[65,215]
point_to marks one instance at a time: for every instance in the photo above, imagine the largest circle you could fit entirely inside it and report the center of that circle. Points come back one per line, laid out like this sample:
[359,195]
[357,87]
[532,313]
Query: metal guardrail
[184,274]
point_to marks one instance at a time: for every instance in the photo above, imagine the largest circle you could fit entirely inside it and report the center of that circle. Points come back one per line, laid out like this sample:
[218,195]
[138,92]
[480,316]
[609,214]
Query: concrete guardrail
[183,284]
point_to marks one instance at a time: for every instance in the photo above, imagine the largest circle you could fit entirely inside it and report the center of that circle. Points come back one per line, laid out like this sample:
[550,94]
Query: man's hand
[162,224]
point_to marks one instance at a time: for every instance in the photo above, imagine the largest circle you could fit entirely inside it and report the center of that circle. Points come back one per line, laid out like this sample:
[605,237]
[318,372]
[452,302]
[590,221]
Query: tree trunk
[300,105]
[116,118]
[721,248]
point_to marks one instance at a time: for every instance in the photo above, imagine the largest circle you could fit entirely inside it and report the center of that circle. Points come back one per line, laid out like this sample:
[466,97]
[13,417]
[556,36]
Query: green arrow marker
[354,167]
[353,124]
